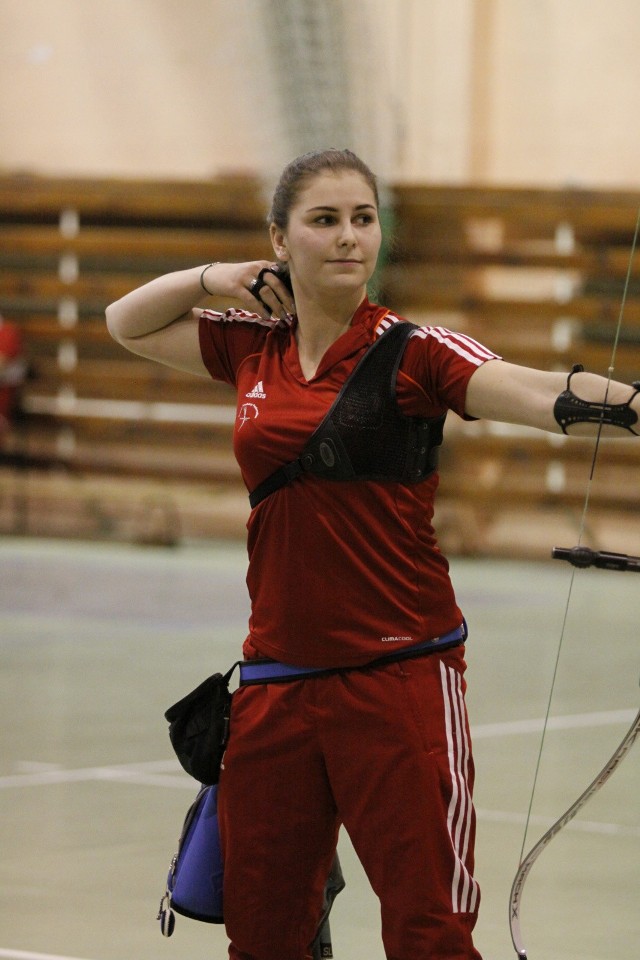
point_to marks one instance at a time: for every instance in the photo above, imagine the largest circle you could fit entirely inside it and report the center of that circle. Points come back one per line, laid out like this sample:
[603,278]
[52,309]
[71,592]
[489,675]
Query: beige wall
[528,91]
[558,83]
[129,87]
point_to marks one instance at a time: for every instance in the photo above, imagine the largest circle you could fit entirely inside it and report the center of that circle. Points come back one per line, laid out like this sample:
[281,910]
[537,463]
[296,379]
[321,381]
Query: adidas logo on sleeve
[257,393]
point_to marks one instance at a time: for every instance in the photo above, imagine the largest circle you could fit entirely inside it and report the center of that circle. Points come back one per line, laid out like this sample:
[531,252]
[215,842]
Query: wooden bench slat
[600,261]
[526,210]
[39,429]
[410,286]
[109,247]
[234,200]
[133,378]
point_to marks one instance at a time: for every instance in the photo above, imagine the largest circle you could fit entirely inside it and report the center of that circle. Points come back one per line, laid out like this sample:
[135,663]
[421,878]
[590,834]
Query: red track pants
[384,751]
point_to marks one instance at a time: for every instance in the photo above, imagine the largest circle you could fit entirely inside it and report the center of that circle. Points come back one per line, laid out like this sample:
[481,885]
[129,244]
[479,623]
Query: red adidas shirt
[340,572]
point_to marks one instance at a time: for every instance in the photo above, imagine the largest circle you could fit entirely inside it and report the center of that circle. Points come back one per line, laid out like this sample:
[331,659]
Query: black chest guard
[365,435]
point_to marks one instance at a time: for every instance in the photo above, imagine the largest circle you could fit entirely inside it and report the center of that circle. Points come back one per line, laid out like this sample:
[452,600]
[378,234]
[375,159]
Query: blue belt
[271,671]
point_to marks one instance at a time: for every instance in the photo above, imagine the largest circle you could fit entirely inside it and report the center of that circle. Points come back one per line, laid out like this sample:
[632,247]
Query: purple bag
[194,883]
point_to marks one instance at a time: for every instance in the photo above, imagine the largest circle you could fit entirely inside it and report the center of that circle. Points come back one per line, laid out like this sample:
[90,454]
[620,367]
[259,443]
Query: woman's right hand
[159,320]
[238,280]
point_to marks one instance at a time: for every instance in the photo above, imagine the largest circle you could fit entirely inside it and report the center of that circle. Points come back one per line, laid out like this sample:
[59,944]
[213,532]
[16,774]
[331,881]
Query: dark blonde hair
[297,173]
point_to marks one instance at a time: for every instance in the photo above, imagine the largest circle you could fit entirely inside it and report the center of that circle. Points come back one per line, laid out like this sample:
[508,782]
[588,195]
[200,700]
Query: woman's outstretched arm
[513,394]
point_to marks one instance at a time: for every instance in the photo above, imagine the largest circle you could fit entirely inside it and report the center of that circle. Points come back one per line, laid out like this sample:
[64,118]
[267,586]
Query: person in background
[12,373]
[345,574]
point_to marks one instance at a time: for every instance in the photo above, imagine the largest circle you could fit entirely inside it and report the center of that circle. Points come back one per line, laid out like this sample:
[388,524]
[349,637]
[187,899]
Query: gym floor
[97,641]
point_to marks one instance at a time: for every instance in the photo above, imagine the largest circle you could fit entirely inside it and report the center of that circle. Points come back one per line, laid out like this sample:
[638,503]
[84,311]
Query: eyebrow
[359,206]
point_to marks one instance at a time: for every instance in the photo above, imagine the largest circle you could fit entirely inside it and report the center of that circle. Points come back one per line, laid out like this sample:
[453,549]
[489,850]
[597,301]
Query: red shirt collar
[361,333]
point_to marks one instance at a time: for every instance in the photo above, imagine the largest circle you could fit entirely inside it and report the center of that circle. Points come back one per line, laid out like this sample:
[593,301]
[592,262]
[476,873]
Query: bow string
[579,557]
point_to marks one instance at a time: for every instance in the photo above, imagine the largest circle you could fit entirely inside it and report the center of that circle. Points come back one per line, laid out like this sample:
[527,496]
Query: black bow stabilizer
[584,557]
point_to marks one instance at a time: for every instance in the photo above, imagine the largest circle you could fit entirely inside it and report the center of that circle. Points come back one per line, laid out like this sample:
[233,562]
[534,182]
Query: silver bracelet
[214,264]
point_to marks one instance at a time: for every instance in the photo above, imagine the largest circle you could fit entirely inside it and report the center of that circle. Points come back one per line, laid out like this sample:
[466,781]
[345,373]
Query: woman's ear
[279,243]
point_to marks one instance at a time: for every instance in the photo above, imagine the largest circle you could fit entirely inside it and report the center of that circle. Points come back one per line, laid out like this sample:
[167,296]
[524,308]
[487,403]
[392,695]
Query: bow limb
[527,862]
[525,867]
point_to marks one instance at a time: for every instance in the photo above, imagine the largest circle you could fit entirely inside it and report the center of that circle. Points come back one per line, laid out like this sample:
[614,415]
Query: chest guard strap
[365,435]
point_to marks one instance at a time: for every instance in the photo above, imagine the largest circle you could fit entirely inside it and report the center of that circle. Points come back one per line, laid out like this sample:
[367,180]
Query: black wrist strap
[570,409]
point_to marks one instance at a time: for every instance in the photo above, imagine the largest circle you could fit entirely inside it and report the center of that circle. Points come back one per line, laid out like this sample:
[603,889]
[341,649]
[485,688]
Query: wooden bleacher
[105,437]
[537,276]
[110,445]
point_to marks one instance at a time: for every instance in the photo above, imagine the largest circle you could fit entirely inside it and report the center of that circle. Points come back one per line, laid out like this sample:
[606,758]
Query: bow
[578,556]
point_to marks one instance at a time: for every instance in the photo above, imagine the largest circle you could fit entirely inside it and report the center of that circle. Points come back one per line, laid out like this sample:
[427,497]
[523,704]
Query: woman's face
[333,237]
